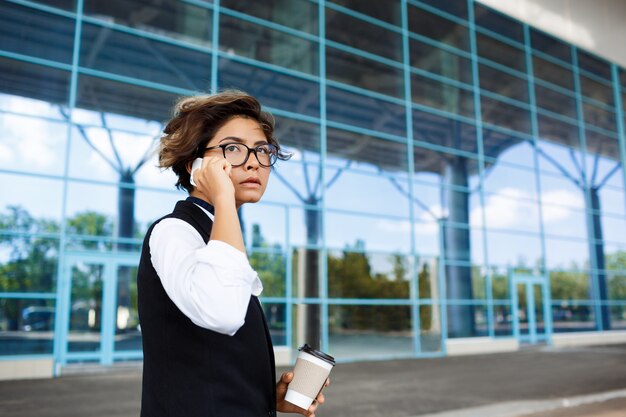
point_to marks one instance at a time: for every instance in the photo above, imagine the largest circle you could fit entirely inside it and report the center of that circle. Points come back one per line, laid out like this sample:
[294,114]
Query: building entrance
[97,309]
[530,304]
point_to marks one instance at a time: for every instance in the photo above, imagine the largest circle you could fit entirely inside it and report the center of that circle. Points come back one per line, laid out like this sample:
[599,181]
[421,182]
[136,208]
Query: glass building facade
[456,173]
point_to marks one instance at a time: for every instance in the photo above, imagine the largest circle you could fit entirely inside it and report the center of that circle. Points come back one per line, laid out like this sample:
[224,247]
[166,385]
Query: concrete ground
[592,381]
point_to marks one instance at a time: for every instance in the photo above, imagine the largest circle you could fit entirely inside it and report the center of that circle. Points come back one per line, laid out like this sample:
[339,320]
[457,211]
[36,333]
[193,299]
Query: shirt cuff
[230,262]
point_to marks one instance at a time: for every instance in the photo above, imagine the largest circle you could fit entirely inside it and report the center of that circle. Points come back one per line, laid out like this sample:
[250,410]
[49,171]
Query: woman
[207,347]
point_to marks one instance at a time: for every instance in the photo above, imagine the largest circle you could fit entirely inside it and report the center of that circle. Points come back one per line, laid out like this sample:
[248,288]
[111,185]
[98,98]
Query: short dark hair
[196,120]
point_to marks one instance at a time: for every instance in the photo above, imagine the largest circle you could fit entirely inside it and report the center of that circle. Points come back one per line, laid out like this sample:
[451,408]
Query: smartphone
[197,164]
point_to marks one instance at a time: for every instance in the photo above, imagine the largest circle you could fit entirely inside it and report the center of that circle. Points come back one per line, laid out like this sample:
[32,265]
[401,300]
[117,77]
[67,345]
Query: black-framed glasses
[237,154]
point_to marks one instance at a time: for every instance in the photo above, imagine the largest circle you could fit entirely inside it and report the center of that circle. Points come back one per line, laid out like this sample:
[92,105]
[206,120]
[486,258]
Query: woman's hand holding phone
[211,177]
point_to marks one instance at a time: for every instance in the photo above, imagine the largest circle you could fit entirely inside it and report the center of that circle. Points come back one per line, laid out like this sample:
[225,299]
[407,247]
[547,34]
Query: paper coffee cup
[309,375]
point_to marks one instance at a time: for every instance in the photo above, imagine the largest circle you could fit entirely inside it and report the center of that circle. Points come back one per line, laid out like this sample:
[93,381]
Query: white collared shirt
[209,283]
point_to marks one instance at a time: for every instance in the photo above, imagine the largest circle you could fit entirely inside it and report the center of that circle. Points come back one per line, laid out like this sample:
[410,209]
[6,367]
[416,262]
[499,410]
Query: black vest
[190,371]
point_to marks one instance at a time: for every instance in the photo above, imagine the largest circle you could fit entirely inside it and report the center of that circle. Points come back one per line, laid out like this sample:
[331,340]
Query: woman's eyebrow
[240,140]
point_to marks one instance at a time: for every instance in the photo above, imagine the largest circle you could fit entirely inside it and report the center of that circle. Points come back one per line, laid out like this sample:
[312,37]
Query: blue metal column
[109,313]
[215,43]
[414,284]
[63,271]
[530,311]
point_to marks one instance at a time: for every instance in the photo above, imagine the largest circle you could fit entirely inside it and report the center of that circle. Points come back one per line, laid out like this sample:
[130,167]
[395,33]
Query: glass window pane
[441,131]
[618,317]
[553,73]
[458,8]
[593,64]
[511,181]
[353,156]
[364,73]
[389,11]
[502,83]
[561,221]
[33,89]
[596,90]
[500,52]
[515,249]
[296,14]
[305,273]
[26,326]
[555,102]
[178,20]
[550,45]
[35,33]
[30,144]
[617,282]
[127,330]
[107,96]
[276,316]
[439,61]
[29,262]
[369,331]
[573,317]
[599,117]
[238,37]
[505,115]
[271,267]
[442,96]
[504,213]
[61,4]
[558,131]
[271,88]
[381,234]
[368,275]
[438,28]
[121,53]
[86,308]
[48,190]
[499,23]
[567,254]
[264,226]
[357,33]
[366,112]
[507,147]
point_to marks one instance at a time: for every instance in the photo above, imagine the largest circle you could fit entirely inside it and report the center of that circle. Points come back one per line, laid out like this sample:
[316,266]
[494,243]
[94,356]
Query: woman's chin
[248,196]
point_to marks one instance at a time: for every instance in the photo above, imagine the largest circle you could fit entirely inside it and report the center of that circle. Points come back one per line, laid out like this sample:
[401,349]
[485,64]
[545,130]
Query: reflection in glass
[127,330]
[28,263]
[439,61]
[85,308]
[573,317]
[107,96]
[26,326]
[47,87]
[560,221]
[389,11]
[500,52]
[596,90]
[593,64]
[271,88]
[178,20]
[442,96]
[109,50]
[367,232]
[618,317]
[441,131]
[368,275]
[519,250]
[28,207]
[549,45]
[555,102]
[599,117]
[357,33]
[505,115]
[49,36]
[438,28]
[271,267]
[276,316]
[499,23]
[61,4]
[510,181]
[558,131]
[502,83]
[556,74]
[369,331]
[296,14]
[567,253]
[506,213]
[36,146]
[367,112]
[506,147]
[502,317]
[457,8]
[261,43]
[365,73]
